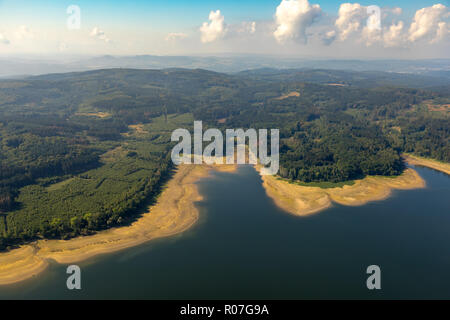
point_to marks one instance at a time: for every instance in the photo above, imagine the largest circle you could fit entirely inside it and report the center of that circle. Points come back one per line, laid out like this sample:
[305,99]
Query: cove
[244,247]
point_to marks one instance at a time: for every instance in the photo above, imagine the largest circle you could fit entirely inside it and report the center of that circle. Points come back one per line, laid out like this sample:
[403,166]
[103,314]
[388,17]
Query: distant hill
[229,64]
[360,79]
[363,79]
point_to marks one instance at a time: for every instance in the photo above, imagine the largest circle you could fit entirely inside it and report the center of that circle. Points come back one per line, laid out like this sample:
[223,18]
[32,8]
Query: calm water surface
[244,247]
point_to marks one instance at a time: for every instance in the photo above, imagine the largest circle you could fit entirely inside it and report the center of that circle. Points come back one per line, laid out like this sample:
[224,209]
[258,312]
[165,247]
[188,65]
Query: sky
[408,29]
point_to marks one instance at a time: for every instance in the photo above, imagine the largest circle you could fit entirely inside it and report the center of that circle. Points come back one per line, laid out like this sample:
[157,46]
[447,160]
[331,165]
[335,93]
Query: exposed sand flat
[94,114]
[289,95]
[20,264]
[173,213]
[429,163]
[303,201]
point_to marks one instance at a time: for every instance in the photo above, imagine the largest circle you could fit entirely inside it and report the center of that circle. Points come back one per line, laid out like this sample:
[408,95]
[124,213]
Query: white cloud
[371,36]
[350,19]
[293,17]
[173,36]
[394,36]
[329,37]
[442,32]
[427,23]
[372,32]
[215,29]
[99,34]
[366,25]
[348,31]
[360,21]
[253,27]
[3,39]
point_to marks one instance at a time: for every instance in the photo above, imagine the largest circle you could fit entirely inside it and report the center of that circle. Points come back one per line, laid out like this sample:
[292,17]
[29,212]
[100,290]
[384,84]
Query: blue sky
[165,13]
[135,27]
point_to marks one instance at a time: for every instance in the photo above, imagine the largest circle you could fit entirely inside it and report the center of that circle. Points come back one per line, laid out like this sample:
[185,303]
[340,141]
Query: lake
[244,247]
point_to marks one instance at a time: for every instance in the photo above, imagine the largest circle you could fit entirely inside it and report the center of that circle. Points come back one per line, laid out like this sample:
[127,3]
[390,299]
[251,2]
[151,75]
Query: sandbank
[302,201]
[174,212]
[429,163]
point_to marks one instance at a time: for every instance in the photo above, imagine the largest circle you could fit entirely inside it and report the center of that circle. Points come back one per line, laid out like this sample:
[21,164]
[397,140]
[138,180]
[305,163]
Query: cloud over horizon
[99,34]
[173,36]
[288,27]
[215,29]
[365,25]
[293,17]
[429,23]
[350,19]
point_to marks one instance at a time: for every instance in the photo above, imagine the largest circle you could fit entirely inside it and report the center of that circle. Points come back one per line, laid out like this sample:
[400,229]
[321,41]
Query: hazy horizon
[29,65]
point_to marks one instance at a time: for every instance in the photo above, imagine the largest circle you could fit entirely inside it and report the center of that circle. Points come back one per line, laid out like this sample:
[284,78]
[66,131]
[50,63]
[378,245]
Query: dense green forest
[81,152]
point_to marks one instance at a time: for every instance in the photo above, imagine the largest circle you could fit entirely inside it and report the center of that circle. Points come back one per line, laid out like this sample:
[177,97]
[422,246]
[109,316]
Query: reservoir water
[244,247]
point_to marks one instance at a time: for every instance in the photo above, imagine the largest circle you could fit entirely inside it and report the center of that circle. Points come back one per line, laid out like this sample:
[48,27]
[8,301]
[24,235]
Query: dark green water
[245,247]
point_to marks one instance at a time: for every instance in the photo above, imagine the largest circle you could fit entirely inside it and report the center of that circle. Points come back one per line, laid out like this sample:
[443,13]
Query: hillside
[104,135]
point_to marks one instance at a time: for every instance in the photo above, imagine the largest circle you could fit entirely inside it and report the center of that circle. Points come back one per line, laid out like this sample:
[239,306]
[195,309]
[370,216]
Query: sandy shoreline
[173,213]
[429,163]
[302,201]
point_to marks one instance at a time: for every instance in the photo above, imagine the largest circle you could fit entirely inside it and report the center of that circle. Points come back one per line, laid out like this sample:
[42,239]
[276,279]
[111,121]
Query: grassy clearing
[59,185]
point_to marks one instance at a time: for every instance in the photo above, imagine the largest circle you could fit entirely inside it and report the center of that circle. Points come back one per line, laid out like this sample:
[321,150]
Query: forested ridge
[81,152]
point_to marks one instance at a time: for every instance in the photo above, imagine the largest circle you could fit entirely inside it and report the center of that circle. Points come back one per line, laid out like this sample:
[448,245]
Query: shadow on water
[246,247]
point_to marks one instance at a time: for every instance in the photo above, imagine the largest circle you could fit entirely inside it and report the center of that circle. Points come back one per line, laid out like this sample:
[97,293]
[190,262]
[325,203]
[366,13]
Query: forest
[81,152]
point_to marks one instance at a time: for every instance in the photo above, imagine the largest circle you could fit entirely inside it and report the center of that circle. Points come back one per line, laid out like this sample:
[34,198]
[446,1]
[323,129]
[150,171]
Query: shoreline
[304,201]
[173,213]
[428,163]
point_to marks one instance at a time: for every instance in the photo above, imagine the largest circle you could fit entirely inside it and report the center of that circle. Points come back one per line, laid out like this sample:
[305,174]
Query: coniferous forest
[81,152]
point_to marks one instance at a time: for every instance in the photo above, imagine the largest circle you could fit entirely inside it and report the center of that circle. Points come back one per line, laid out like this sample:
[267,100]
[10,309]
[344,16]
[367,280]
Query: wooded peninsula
[83,152]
